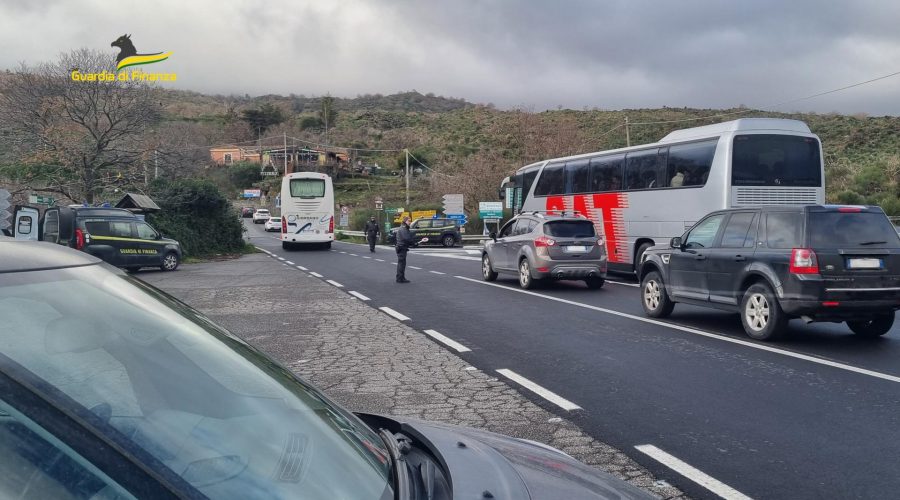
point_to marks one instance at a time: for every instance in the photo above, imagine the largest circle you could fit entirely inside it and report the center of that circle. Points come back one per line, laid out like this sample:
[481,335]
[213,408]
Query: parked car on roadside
[818,263]
[443,231]
[273,224]
[247,212]
[114,389]
[539,247]
[261,215]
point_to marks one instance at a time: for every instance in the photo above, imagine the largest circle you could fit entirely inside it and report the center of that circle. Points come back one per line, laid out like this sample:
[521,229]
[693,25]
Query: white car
[261,215]
[273,224]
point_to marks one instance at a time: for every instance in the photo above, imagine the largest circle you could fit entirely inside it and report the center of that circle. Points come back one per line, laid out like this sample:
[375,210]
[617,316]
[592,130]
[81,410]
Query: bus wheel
[326,246]
[287,246]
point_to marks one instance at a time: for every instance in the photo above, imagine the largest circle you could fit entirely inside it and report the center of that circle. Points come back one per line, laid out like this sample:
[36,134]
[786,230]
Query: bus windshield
[776,160]
[307,188]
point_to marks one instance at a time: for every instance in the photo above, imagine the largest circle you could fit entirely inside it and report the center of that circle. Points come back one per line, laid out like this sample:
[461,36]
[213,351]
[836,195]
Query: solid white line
[554,398]
[414,267]
[447,341]
[317,275]
[335,283]
[636,285]
[302,268]
[281,258]
[394,313]
[745,343]
[263,250]
[436,272]
[692,473]
[380,260]
[449,256]
[358,295]
[289,262]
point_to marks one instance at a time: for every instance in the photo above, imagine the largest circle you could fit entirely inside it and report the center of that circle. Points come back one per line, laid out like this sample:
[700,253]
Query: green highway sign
[37,199]
[490,209]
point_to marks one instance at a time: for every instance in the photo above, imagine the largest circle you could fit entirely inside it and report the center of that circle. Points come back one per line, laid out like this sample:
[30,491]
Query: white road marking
[414,267]
[695,331]
[289,262]
[380,260]
[635,285]
[394,313]
[473,252]
[447,341]
[436,272]
[554,398]
[281,258]
[358,295]
[335,283]
[302,268]
[353,254]
[366,257]
[450,256]
[263,250]
[317,275]
[343,251]
[692,473]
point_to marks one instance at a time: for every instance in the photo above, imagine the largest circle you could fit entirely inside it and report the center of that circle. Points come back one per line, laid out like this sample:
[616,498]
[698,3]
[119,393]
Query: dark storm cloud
[609,54]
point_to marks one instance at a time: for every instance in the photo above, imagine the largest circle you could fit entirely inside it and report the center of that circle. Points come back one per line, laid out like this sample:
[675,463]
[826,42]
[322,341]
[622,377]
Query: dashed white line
[281,258]
[692,473]
[317,275]
[343,251]
[302,268]
[551,396]
[635,285]
[695,331]
[394,313]
[436,272]
[289,262]
[447,341]
[414,267]
[358,295]
[354,255]
[335,283]
[366,257]
[380,260]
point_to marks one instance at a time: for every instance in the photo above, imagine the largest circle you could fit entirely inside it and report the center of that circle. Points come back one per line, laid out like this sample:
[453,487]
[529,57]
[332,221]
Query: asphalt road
[813,416]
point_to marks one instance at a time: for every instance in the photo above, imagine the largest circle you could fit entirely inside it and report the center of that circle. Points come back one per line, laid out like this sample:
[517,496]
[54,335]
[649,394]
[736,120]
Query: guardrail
[465,237]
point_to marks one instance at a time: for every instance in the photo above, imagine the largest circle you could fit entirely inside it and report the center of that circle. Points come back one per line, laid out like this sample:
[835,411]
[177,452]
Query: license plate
[576,249]
[858,263]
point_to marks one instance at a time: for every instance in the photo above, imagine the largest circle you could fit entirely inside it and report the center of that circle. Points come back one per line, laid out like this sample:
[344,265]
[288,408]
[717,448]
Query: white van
[307,210]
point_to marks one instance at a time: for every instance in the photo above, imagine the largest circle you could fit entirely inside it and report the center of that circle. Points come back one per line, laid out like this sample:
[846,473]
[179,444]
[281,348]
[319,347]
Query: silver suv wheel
[524,274]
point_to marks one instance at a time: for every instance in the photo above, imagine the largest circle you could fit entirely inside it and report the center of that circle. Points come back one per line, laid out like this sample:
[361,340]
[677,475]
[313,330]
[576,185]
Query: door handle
[699,257]
[739,258]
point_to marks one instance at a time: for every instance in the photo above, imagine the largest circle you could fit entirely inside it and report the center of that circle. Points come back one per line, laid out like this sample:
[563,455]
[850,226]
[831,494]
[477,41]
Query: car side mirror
[676,243]
[493,235]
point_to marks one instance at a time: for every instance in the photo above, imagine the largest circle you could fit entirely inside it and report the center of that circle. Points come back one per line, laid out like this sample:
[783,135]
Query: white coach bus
[644,195]
[307,210]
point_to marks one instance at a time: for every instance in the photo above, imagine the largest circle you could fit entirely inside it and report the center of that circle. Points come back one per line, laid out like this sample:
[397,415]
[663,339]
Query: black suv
[112,234]
[443,231]
[771,264]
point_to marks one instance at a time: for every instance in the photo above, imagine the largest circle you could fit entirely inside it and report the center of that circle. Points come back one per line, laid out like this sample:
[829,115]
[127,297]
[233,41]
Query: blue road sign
[460,217]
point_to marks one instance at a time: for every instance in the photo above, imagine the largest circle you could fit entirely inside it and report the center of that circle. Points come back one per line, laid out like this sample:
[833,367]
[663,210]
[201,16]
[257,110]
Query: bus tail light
[283,225]
[79,239]
[331,224]
[804,261]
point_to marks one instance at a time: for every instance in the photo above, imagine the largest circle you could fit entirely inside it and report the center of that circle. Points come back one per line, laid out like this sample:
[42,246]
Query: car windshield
[165,382]
[851,230]
[569,229]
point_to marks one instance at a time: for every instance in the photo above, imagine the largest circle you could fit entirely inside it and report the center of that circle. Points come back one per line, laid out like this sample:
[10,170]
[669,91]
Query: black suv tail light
[804,261]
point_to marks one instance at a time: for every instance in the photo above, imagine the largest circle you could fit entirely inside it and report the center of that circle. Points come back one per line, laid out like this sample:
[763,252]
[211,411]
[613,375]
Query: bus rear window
[776,160]
[569,229]
[307,188]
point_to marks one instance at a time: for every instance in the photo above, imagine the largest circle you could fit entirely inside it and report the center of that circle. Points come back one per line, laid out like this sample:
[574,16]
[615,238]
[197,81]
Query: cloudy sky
[610,54]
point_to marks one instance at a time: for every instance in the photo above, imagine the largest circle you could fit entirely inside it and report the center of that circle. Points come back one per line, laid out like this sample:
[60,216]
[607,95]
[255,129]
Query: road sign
[458,217]
[4,203]
[345,220]
[379,204]
[36,199]
[345,209]
[490,209]
[453,203]
[4,219]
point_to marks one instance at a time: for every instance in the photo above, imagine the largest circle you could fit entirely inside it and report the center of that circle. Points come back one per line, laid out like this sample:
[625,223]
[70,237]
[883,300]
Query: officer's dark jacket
[371,228]
[404,238]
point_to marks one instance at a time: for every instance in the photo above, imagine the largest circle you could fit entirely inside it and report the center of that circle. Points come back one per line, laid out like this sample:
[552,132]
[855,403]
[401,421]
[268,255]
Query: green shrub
[194,212]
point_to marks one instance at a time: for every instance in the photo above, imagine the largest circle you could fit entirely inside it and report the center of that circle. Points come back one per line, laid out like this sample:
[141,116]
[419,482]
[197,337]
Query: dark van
[112,234]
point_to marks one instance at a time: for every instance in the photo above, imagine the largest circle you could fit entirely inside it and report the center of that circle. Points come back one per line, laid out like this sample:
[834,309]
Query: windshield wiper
[872,243]
[396,449]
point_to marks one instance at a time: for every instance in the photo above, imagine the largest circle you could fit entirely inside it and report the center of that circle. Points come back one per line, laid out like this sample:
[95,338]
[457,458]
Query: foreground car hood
[512,468]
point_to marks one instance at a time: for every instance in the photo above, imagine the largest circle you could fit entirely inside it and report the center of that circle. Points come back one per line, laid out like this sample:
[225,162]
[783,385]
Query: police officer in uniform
[404,242]
[372,231]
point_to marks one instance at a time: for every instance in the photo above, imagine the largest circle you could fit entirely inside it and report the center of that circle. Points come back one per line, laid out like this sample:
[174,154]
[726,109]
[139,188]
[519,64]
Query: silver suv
[539,246]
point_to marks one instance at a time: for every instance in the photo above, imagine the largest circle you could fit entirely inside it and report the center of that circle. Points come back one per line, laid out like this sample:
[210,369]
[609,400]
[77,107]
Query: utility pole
[627,133]
[156,164]
[284,136]
[407,177]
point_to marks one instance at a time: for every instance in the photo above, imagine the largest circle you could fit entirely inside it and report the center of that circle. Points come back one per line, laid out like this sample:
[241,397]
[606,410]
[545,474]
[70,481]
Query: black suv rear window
[851,230]
[569,229]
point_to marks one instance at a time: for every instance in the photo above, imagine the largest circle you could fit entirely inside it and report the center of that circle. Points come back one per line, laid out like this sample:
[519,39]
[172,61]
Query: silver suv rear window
[569,229]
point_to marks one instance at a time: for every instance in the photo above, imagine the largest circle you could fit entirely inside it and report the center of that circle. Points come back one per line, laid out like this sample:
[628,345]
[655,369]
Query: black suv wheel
[874,327]
[448,240]
[761,314]
[654,299]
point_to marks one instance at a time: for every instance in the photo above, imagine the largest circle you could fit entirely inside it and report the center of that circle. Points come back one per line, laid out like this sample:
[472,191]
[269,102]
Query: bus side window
[642,169]
[578,177]
[552,180]
[689,164]
[606,173]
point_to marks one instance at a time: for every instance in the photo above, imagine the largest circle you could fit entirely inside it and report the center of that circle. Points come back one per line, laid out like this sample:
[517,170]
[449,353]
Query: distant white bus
[644,195]
[307,210]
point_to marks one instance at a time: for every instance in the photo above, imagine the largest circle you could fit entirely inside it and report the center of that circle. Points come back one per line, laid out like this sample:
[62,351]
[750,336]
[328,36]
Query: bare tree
[76,138]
